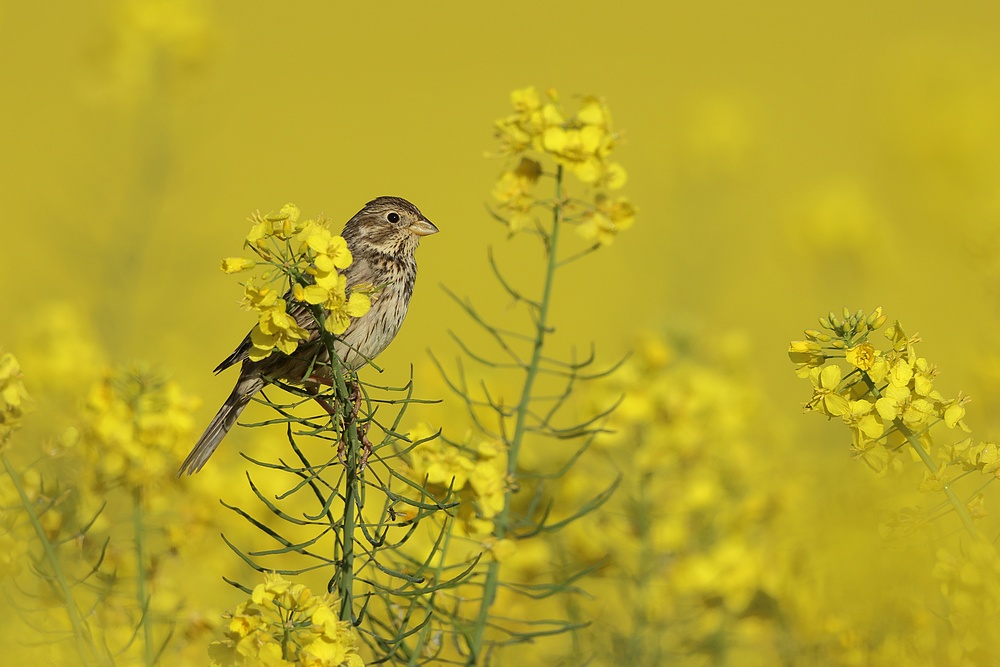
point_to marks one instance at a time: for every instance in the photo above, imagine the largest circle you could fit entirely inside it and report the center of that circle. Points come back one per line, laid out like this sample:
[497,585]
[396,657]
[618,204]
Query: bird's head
[387,225]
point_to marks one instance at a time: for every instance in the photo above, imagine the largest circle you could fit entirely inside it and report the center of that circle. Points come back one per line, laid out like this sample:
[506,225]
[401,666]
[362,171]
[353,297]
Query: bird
[382,237]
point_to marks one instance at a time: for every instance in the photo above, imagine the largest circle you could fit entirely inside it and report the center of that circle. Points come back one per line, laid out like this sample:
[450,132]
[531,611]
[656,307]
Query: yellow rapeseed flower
[328,254]
[862,356]
[275,329]
[13,395]
[237,264]
[331,251]
[285,625]
[259,297]
[826,386]
[331,294]
[806,355]
[580,144]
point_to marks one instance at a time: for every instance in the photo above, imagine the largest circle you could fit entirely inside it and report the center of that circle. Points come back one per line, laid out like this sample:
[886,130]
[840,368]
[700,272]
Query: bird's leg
[355,396]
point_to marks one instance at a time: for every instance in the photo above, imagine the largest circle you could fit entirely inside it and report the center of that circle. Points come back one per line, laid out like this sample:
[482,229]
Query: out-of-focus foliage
[785,157]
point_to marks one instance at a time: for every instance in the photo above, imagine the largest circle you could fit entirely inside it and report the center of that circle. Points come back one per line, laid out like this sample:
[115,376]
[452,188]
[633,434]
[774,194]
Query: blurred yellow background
[786,159]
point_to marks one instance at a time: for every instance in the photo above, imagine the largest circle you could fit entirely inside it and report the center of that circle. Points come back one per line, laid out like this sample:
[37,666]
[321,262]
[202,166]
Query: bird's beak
[423,227]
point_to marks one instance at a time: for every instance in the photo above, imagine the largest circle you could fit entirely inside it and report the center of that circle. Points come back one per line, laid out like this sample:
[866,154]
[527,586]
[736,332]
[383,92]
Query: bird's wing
[239,354]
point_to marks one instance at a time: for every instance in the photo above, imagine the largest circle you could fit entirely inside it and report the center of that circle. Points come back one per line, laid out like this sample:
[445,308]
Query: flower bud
[237,264]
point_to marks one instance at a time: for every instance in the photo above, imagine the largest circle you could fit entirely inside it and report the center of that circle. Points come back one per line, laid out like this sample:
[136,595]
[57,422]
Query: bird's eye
[393,217]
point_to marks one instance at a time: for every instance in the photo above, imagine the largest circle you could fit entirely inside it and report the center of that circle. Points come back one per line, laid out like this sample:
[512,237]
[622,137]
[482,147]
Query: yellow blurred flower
[154,40]
[525,100]
[514,192]
[475,471]
[580,143]
[13,395]
[609,217]
[489,480]
[13,551]
[136,427]
[442,464]
[500,550]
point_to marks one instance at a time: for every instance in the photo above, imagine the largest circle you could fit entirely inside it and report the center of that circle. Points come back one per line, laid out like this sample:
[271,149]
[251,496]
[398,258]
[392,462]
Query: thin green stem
[956,502]
[81,633]
[141,588]
[960,509]
[352,479]
[502,521]
[345,582]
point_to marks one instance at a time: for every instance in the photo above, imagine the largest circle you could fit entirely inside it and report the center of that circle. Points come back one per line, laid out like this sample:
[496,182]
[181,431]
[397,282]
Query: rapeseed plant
[885,395]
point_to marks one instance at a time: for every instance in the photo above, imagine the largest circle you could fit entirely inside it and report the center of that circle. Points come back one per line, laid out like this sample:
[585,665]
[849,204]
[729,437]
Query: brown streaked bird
[382,237]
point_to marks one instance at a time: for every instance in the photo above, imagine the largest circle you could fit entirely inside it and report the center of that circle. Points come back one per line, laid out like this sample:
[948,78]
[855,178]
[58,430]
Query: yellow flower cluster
[12,394]
[580,143]
[476,471]
[285,625]
[680,543]
[886,397]
[309,257]
[136,427]
[67,504]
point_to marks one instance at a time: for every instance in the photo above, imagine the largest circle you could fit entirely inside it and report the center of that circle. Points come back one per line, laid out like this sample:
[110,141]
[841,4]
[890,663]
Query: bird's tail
[224,420]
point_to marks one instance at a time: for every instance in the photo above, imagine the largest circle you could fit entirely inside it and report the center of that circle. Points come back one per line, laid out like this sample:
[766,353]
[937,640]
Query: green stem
[953,499]
[448,531]
[956,502]
[502,521]
[141,589]
[352,478]
[345,583]
[81,633]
